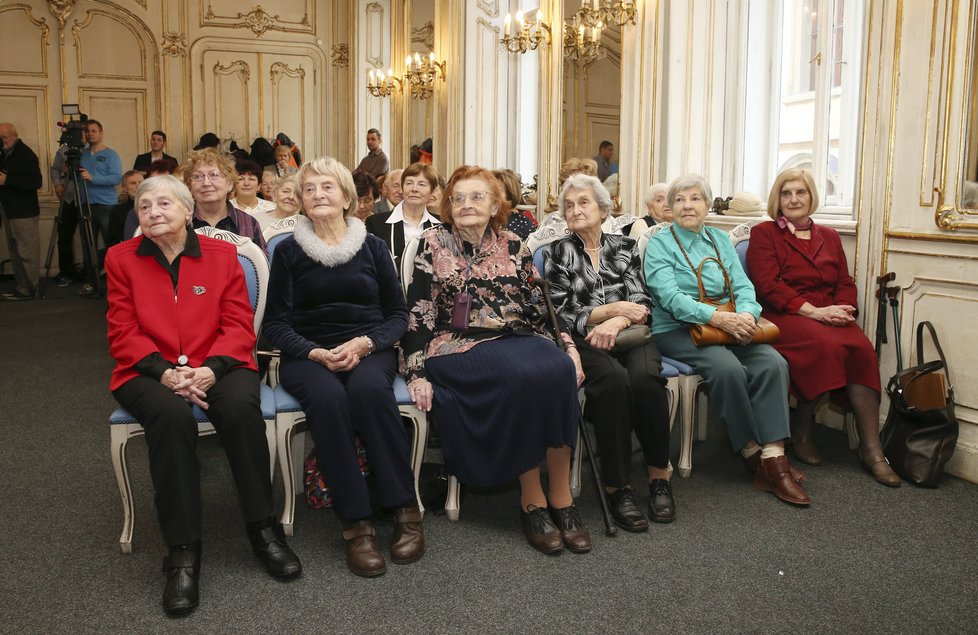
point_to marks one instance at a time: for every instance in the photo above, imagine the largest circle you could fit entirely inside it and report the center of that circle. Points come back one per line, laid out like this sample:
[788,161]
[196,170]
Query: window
[802,95]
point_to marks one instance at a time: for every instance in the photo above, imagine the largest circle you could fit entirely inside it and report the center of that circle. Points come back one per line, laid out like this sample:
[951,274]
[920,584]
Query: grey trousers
[748,385]
[27,255]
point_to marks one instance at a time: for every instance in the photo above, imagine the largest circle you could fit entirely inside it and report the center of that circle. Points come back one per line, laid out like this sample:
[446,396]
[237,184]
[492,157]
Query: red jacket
[211,314]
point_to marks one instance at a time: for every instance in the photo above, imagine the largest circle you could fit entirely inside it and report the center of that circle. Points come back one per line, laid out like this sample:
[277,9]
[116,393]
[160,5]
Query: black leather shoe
[18,296]
[182,568]
[662,507]
[625,512]
[268,543]
[540,531]
[573,533]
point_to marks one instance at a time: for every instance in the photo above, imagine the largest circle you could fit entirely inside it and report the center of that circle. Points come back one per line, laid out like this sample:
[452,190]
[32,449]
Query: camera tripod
[89,243]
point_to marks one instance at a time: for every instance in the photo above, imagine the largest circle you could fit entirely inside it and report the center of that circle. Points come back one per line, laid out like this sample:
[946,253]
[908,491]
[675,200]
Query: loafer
[754,463]
[408,544]
[268,544]
[573,533]
[774,476]
[540,531]
[880,468]
[625,512]
[363,556]
[64,281]
[662,506]
[17,296]
[181,594]
[806,452]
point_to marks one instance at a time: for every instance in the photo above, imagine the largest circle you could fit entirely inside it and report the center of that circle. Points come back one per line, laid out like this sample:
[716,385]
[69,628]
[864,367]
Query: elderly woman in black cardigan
[335,309]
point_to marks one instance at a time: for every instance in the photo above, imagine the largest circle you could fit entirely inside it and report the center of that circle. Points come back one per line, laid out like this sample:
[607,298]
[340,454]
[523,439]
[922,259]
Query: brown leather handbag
[709,335]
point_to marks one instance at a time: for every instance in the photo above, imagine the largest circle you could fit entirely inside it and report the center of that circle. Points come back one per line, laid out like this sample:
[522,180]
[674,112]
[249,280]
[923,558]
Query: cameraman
[20,179]
[101,170]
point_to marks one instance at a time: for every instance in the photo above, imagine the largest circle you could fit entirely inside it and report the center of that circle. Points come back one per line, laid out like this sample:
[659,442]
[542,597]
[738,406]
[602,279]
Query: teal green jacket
[672,283]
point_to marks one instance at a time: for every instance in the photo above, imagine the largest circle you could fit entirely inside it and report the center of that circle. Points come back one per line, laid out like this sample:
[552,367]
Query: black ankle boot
[182,568]
[268,543]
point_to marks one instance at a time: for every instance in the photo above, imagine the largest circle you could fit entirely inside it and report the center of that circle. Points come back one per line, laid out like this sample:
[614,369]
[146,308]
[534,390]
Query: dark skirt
[500,405]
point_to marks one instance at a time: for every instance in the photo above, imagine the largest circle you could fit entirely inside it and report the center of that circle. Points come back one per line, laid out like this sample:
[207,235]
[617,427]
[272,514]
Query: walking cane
[881,281]
[892,293]
[609,526]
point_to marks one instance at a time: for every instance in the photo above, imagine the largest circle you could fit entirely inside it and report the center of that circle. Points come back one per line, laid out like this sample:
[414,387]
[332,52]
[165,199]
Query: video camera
[73,133]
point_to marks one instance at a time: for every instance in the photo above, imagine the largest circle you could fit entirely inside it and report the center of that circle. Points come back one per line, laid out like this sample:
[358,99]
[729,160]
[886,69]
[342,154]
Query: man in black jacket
[157,142]
[20,179]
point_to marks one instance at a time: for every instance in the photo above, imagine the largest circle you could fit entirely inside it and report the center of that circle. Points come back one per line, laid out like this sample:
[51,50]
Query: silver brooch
[199,290]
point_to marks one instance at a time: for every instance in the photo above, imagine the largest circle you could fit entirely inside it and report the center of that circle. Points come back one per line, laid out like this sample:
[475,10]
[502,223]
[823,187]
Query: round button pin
[182,360]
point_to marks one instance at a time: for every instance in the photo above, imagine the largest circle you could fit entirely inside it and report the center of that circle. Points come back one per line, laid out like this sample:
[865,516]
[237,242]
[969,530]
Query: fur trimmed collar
[330,255]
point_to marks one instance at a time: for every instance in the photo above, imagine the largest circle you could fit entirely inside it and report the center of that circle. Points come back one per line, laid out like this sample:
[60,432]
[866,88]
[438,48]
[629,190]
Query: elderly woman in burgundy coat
[803,283]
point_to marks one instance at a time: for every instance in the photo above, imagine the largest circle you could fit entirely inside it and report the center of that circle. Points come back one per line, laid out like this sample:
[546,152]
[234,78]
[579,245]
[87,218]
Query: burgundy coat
[786,274]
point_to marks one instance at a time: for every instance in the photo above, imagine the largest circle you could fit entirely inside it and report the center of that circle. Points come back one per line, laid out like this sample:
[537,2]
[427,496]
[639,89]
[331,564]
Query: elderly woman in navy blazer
[180,330]
[335,309]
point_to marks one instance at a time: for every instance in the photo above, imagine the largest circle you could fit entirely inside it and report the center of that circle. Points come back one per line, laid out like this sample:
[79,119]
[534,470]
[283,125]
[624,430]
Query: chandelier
[528,35]
[582,45]
[380,85]
[604,12]
[421,74]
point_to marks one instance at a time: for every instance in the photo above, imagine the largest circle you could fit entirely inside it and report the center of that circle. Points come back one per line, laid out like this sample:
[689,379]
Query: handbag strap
[727,287]
[937,345]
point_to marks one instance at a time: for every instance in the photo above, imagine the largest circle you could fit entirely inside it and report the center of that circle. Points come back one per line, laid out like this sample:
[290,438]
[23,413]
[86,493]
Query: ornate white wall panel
[490,113]
[123,113]
[26,38]
[373,50]
[99,37]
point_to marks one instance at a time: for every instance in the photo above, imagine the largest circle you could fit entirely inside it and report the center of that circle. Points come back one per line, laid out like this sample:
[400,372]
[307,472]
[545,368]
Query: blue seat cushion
[121,416]
[401,391]
[284,402]
[668,370]
[684,369]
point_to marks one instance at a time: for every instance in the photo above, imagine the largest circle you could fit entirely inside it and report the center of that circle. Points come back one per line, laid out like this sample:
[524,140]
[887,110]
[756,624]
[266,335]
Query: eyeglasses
[458,200]
[198,177]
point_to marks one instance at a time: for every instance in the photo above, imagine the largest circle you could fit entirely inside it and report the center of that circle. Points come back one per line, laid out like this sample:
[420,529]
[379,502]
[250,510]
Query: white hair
[651,193]
[582,182]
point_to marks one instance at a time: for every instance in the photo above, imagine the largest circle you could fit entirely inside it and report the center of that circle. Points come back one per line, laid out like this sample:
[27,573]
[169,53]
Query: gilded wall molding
[259,21]
[490,8]
[375,34]
[76,29]
[339,55]
[237,66]
[174,44]
[278,69]
[40,23]
[61,10]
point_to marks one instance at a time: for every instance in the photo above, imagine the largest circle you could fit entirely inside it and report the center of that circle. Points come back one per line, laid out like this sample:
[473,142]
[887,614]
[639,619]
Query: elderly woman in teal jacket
[748,382]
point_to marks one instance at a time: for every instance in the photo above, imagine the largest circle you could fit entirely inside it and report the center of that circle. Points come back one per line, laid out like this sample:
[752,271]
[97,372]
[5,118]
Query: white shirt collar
[397,216]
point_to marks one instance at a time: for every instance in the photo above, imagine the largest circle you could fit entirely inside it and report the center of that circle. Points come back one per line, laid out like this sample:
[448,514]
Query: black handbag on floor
[921,430]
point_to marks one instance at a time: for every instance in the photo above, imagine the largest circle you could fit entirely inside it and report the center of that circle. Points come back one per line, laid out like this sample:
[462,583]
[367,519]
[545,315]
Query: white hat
[745,204]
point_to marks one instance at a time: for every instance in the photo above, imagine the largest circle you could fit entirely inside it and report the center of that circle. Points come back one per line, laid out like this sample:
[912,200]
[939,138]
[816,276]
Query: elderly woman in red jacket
[181,332]
[803,283]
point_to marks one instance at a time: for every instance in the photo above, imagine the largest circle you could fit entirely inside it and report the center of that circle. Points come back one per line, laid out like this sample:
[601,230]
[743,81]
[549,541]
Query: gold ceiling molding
[339,55]
[258,21]
[424,36]
[174,44]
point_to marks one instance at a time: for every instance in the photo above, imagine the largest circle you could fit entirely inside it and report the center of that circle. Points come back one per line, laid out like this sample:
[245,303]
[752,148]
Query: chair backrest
[538,261]
[407,262]
[552,228]
[740,237]
[643,240]
[253,264]
[273,241]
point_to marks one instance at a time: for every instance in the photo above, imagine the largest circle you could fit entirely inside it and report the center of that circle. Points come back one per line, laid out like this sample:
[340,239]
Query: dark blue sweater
[313,306]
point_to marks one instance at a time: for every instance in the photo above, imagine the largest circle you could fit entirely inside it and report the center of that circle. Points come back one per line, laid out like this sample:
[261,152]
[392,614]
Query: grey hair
[285,180]
[580,181]
[166,182]
[688,182]
[650,195]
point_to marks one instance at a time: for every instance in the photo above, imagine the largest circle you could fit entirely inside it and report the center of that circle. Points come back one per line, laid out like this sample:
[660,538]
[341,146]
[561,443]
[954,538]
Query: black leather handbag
[921,430]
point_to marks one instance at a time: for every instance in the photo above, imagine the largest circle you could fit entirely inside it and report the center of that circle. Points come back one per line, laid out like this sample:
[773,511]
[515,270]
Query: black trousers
[171,433]
[626,391]
[66,240]
[339,406]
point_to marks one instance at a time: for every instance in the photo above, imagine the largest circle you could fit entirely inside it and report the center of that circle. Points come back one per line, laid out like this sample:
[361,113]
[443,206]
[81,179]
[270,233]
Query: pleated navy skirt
[501,404]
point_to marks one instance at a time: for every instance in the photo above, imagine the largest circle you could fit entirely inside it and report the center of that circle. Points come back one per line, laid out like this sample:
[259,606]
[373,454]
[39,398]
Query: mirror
[965,203]
[592,99]
[421,111]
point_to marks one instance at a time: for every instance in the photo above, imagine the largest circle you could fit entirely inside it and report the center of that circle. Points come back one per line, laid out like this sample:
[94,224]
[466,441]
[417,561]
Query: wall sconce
[527,36]
[617,12]
[421,73]
[380,85]
[582,44]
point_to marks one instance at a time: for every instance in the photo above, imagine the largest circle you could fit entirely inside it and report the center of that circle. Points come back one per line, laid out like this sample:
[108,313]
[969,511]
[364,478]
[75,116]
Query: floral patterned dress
[503,391]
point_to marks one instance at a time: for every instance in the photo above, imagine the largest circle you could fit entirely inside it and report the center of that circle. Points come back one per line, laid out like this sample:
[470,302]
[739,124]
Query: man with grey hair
[20,179]
[375,162]
[657,209]
[392,193]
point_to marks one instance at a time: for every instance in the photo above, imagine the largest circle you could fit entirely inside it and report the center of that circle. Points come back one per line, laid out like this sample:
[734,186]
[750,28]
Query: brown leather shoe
[540,531]
[408,544]
[573,533]
[363,556]
[774,476]
[754,462]
[880,468]
[806,452]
